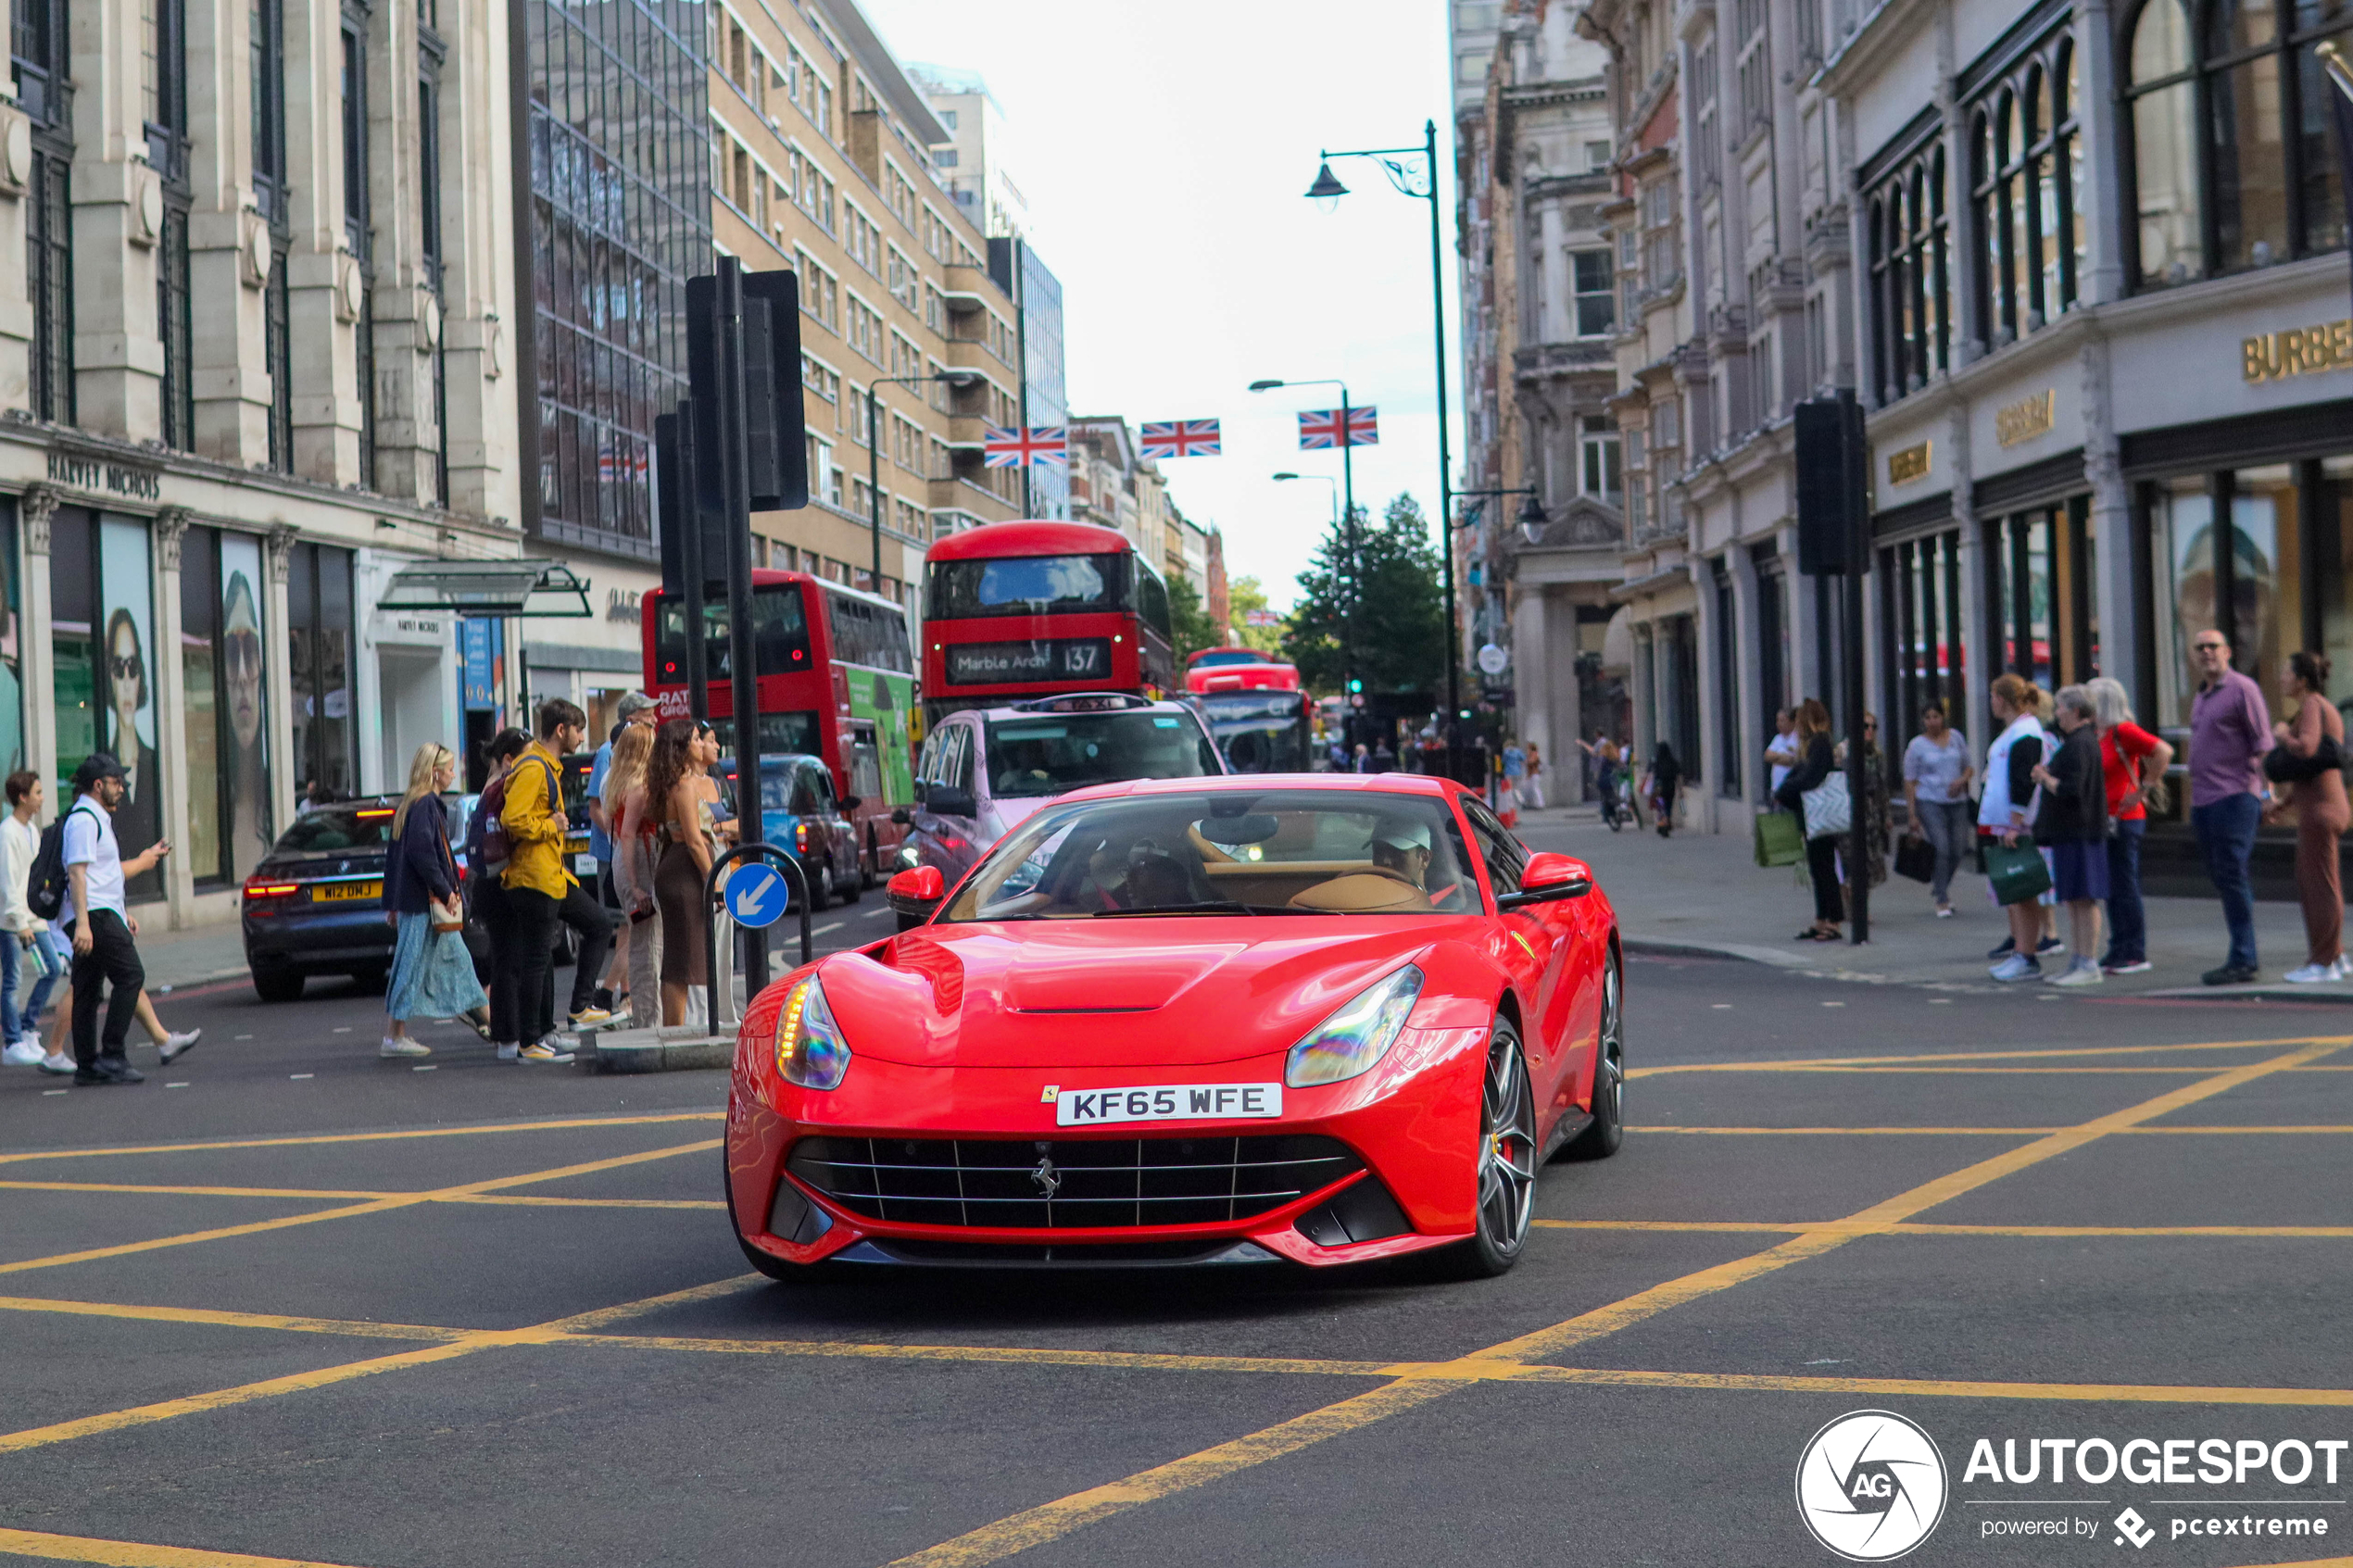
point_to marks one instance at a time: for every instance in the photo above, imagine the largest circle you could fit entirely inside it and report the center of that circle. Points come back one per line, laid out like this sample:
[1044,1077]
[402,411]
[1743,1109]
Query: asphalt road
[317,1307]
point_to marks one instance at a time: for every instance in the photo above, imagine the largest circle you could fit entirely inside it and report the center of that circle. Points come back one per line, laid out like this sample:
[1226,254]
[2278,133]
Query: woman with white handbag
[1816,791]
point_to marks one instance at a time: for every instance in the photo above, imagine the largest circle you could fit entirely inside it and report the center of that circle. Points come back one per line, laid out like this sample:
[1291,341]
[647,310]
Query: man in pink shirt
[2230,730]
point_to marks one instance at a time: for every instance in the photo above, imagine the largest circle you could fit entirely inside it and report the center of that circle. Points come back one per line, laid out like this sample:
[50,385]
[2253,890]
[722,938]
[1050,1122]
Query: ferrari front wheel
[1607,1130]
[1505,1161]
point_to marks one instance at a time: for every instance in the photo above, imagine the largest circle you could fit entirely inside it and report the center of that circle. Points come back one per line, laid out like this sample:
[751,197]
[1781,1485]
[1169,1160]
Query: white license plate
[1182,1102]
[585,864]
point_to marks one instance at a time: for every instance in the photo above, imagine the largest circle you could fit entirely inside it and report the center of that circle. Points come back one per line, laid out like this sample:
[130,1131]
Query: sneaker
[2343,969]
[174,1047]
[2313,973]
[402,1045]
[109,1070]
[2227,974]
[510,1052]
[2130,966]
[58,1062]
[2049,945]
[544,1051]
[1944,911]
[2010,946]
[591,1016]
[2083,971]
[24,1053]
[2015,968]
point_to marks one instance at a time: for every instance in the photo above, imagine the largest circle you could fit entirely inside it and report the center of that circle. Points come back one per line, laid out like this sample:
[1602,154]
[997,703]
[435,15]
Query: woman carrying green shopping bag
[2005,814]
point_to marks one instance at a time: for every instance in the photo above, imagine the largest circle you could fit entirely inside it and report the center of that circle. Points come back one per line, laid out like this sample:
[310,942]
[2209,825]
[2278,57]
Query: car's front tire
[1603,1135]
[1505,1160]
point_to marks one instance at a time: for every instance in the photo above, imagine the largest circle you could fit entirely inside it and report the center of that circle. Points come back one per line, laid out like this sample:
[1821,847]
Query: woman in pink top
[2321,816]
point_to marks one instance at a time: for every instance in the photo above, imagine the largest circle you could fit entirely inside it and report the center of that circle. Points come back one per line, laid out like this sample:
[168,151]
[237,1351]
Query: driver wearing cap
[1402,848]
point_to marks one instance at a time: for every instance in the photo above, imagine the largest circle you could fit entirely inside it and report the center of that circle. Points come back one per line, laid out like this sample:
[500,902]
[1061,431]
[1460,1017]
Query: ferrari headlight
[810,1050]
[1351,1040]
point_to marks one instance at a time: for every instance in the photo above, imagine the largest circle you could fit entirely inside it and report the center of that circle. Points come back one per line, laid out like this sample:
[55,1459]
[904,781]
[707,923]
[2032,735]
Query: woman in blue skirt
[432,975]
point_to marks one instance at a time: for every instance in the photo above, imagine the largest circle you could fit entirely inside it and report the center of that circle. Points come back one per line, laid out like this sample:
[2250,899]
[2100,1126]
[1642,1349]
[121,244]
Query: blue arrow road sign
[757,894]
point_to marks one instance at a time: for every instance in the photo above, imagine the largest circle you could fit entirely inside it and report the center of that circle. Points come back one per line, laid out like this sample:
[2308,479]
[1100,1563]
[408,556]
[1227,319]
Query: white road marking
[1940,1001]
[301,1075]
[179,1085]
[1834,1004]
[241,1037]
[1721,1007]
[345,1030]
[46,1093]
[427,1067]
[822,929]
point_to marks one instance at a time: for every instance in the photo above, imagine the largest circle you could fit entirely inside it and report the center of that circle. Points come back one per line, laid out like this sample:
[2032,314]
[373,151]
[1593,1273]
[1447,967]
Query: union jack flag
[1182,438]
[1320,429]
[1039,445]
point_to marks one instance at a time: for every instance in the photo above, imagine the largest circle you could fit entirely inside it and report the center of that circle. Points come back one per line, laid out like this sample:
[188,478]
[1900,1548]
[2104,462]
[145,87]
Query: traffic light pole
[743,661]
[1349,689]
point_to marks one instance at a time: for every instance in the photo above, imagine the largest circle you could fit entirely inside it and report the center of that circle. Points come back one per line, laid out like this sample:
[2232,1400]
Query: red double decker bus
[1014,610]
[1239,670]
[837,681]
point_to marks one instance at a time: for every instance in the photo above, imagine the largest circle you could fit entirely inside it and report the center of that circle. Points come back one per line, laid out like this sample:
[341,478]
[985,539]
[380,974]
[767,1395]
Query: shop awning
[489,589]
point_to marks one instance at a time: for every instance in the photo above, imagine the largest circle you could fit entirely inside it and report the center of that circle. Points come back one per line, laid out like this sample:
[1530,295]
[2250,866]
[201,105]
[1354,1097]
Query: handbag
[2015,870]
[1916,857]
[1780,842]
[1829,811]
[2282,766]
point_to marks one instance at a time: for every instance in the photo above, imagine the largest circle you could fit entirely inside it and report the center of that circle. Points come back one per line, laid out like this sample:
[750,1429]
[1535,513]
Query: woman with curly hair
[680,796]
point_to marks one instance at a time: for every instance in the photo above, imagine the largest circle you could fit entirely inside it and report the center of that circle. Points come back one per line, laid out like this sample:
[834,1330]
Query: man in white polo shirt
[102,929]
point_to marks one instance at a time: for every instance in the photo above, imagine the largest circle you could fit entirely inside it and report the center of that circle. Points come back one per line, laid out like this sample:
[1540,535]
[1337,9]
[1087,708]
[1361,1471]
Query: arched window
[1909,235]
[2026,157]
[2227,107]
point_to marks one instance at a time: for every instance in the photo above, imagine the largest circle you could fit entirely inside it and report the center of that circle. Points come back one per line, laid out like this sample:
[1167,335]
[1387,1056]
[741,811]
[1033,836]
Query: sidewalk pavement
[1704,892]
[177,960]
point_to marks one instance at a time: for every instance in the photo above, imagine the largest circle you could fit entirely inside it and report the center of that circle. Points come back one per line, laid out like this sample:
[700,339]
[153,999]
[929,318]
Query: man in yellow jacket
[541,890]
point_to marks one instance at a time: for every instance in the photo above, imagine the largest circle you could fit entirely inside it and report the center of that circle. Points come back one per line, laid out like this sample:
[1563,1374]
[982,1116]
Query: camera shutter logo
[1871,1486]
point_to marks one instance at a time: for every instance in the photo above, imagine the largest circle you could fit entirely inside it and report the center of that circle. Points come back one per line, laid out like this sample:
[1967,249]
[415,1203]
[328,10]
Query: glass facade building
[1015,264]
[615,124]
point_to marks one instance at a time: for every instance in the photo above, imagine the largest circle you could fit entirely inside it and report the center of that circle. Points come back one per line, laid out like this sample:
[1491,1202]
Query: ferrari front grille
[1042,1183]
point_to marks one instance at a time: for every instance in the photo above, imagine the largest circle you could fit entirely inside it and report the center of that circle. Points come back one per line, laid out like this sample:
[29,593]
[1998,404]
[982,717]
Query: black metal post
[874,474]
[1349,693]
[1858,549]
[691,572]
[743,663]
[1445,457]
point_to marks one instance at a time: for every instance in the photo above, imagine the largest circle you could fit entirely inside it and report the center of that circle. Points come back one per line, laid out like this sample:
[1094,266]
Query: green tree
[1245,596]
[1401,622]
[1189,620]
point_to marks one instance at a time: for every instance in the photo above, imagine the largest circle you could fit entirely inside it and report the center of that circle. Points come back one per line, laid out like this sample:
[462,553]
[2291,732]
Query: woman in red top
[2133,761]
[2321,818]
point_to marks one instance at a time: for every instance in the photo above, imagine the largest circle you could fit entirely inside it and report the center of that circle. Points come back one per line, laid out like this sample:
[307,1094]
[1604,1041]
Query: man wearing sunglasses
[2230,730]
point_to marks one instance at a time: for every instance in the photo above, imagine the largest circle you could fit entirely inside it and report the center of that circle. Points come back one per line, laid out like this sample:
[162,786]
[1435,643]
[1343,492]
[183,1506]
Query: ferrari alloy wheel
[1506,1160]
[1607,1130]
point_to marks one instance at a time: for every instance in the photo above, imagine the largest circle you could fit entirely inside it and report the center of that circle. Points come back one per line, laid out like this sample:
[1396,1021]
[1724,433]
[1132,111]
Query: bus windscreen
[780,632]
[1023,585]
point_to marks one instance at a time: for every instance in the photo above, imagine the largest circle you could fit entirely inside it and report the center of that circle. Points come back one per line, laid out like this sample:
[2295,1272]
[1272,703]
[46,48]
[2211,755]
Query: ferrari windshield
[1278,851]
[1055,753]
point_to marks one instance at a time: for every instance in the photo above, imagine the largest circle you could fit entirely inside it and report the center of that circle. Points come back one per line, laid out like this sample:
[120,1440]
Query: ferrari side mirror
[1547,878]
[913,895]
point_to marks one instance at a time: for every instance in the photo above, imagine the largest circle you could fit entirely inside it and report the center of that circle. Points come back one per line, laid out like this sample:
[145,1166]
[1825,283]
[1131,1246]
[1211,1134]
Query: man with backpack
[541,890]
[102,928]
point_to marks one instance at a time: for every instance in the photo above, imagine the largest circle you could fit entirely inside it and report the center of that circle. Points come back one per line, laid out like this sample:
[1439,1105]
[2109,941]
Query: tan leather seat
[1363,893]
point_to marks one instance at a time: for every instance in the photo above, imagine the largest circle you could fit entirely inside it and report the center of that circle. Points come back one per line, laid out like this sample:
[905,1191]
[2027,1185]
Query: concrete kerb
[680,1049]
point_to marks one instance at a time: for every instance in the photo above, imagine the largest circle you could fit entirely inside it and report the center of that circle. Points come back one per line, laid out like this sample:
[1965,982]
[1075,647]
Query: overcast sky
[1164,150]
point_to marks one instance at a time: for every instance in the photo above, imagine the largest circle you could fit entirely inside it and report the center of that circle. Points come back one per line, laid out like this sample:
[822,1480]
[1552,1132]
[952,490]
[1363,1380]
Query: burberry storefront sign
[2298,351]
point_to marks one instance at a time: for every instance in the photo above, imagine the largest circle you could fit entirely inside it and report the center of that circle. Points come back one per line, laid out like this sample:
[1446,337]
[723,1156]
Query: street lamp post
[1327,191]
[873,447]
[1355,551]
[1532,519]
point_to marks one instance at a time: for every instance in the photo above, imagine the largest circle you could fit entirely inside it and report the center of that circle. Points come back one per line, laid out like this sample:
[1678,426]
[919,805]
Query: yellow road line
[305,1140]
[525,1202]
[467,1343]
[1912,1228]
[229,1320]
[136,1554]
[2220,1130]
[321,1193]
[376,1205]
[1016,1354]
[1988,1056]
[1050,1521]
